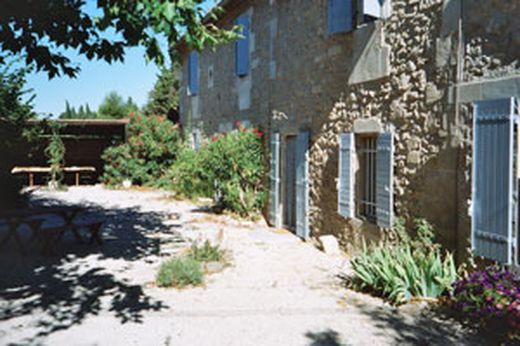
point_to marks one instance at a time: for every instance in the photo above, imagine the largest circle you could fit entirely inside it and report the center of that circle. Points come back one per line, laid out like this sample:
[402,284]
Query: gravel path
[277,290]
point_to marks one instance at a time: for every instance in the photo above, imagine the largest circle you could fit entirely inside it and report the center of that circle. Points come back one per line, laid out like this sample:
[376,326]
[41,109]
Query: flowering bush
[152,145]
[492,297]
[229,166]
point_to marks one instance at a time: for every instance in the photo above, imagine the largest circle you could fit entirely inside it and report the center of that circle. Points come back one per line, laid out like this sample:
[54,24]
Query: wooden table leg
[35,226]
[68,217]
[94,233]
[31,179]
[77,178]
[12,232]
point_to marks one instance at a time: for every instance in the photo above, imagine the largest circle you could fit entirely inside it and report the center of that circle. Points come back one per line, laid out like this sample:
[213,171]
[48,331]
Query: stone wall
[402,72]
[412,99]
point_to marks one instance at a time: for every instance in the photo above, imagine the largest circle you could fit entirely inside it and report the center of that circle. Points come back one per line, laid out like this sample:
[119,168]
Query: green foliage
[114,107]
[151,148]
[83,112]
[404,268]
[188,176]
[179,272]
[41,31]
[55,152]
[164,97]
[230,166]
[15,134]
[206,252]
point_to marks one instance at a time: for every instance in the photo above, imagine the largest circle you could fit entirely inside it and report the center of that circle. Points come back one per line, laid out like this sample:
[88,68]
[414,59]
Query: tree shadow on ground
[328,337]
[63,291]
[417,324]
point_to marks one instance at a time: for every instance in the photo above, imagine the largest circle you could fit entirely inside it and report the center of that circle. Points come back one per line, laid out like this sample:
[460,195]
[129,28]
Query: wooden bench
[77,170]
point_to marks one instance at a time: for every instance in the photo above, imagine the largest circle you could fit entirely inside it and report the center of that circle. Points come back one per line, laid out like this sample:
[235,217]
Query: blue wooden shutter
[340,16]
[242,47]
[274,217]
[346,175]
[193,73]
[373,8]
[384,180]
[492,209]
[302,184]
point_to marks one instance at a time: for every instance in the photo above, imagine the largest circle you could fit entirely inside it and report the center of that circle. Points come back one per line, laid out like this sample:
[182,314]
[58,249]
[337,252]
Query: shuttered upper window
[340,16]
[193,73]
[242,47]
[343,14]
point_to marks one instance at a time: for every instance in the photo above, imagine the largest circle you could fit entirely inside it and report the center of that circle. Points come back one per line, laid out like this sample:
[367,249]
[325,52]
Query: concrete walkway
[277,291]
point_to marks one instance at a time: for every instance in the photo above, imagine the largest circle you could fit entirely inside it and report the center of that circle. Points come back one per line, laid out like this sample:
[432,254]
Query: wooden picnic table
[34,218]
[31,170]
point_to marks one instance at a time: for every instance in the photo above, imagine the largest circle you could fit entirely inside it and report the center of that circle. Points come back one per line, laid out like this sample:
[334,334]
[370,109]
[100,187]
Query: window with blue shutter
[492,188]
[302,184]
[242,47]
[373,8]
[340,16]
[384,180]
[193,73]
[274,181]
[346,175]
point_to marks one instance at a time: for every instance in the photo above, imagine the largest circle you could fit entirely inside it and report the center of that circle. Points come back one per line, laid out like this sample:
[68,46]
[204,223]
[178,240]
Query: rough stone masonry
[416,71]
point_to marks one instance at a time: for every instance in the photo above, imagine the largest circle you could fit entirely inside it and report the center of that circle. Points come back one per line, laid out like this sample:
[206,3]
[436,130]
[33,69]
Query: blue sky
[133,78]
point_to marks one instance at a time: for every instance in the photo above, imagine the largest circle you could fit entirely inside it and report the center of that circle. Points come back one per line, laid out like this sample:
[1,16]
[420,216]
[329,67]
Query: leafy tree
[15,109]
[131,107]
[90,114]
[163,99]
[43,31]
[83,112]
[113,106]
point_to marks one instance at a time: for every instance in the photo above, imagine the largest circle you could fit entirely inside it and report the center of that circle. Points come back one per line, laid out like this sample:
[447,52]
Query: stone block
[329,244]
[369,125]
[414,157]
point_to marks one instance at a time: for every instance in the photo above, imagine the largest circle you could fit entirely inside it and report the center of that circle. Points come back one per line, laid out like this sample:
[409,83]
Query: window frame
[365,181]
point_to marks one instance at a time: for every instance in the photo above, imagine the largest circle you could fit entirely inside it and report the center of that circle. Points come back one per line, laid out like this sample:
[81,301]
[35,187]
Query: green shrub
[404,268]
[230,166]
[206,252]
[152,145]
[179,272]
[188,177]
[55,152]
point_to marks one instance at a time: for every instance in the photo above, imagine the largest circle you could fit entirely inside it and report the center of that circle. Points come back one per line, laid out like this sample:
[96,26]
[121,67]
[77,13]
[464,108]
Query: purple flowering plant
[491,297]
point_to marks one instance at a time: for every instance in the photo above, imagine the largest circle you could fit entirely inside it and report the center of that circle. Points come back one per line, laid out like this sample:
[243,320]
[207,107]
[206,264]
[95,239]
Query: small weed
[206,252]
[180,272]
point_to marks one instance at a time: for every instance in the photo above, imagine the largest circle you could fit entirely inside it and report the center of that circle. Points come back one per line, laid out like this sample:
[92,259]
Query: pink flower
[259,134]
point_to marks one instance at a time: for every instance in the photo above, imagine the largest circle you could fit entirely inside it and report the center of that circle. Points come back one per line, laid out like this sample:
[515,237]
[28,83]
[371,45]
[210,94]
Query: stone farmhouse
[374,109]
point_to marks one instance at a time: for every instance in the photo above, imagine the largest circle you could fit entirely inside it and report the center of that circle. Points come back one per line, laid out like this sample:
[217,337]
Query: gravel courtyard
[278,290]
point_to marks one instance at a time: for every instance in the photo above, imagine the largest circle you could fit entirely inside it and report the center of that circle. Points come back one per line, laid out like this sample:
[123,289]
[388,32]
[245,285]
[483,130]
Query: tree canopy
[43,31]
[114,107]
[163,98]
[83,112]
[15,109]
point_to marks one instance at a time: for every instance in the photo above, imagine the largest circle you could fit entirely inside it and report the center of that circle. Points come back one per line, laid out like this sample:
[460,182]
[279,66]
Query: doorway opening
[289,183]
